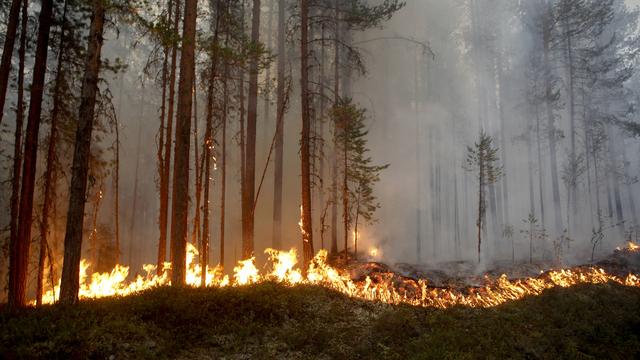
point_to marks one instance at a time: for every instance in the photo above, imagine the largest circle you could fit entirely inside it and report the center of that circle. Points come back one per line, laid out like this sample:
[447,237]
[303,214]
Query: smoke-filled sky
[423,141]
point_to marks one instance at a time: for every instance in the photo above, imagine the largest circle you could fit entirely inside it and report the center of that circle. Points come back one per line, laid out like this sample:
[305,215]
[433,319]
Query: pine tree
[482,159]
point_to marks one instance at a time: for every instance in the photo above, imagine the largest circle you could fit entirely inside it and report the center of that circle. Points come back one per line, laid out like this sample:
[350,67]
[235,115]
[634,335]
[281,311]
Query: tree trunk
[198,171]
[572,207]
[223,175]
[17,150]
[276,241]
[345,191]
[7,51]
[334,153]
[19,255]
[49,183]
[136,180]
[248,195]
[307,232]
[73,236]
[166,167]
[630,192]
[540,169]
[180,199]
[481,205]
[550,121]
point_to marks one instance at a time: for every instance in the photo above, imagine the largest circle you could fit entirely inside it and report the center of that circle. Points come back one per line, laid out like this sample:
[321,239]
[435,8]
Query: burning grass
[381,284]
[272,320]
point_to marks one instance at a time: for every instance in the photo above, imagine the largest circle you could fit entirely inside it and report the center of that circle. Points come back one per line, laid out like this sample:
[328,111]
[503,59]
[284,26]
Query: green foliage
[483,159]
[362,174]
[274,321]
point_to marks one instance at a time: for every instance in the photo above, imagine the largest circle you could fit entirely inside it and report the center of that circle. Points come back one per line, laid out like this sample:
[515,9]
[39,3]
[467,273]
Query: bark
[198,171]
[573,209]
[180,200]
[540,169]
[276,241]
[136,180]
[503,142]
[163,180]
[73,235]
[613,157]
[49,183]
[223,175]
[19,251]
[205,211]
[550,121]
[307,232]
[629,190]
[248,195]
[418,165]
[334,153]
[481,208]
[17,150]
[116,181]
[166,167]
[7,51]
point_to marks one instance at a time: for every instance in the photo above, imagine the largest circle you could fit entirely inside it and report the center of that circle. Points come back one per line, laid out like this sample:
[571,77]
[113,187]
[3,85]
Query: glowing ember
[283,270]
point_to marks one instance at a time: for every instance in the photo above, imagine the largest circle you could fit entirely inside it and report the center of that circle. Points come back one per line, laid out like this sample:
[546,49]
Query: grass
[272,321]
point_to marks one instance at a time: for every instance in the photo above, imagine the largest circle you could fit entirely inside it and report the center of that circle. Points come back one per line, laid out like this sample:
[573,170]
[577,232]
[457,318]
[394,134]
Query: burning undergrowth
[371,280]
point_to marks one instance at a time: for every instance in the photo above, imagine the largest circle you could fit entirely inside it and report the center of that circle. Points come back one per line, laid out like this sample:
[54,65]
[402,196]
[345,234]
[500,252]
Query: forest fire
[383,287]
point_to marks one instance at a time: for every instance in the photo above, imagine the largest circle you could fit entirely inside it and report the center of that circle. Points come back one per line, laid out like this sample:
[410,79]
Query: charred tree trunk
[223,175]
[166,167]
[198,171]
[334,153]
[307,233]
[73,236]
[7,51]
[180,200]
[248,195]
[279,146]
[19,253]
[17,150]
[49,183]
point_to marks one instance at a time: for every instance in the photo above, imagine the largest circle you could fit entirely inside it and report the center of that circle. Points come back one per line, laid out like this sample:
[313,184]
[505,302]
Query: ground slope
[273,321]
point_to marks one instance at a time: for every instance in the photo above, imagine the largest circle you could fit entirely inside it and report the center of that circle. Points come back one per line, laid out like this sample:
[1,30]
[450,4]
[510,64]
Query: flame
[630,247]
[246,272]
[383,287]
[373,252]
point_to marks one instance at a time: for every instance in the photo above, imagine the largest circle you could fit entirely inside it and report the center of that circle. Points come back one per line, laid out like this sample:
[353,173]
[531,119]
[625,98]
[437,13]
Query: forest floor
[269,321]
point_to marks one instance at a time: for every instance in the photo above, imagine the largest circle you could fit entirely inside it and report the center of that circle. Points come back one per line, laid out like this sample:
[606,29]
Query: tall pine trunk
[19,252]
[279,145]
[80,169]
[136,181]
[248,194]
[49,183]
[17,150]
[307,233]
[551,120]
[223,175]
[180,197]
[166,167]
[7,51]
[334,153]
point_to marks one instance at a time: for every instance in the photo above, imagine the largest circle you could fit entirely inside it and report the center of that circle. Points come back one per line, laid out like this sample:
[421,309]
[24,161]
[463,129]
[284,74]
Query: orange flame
[283,270]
